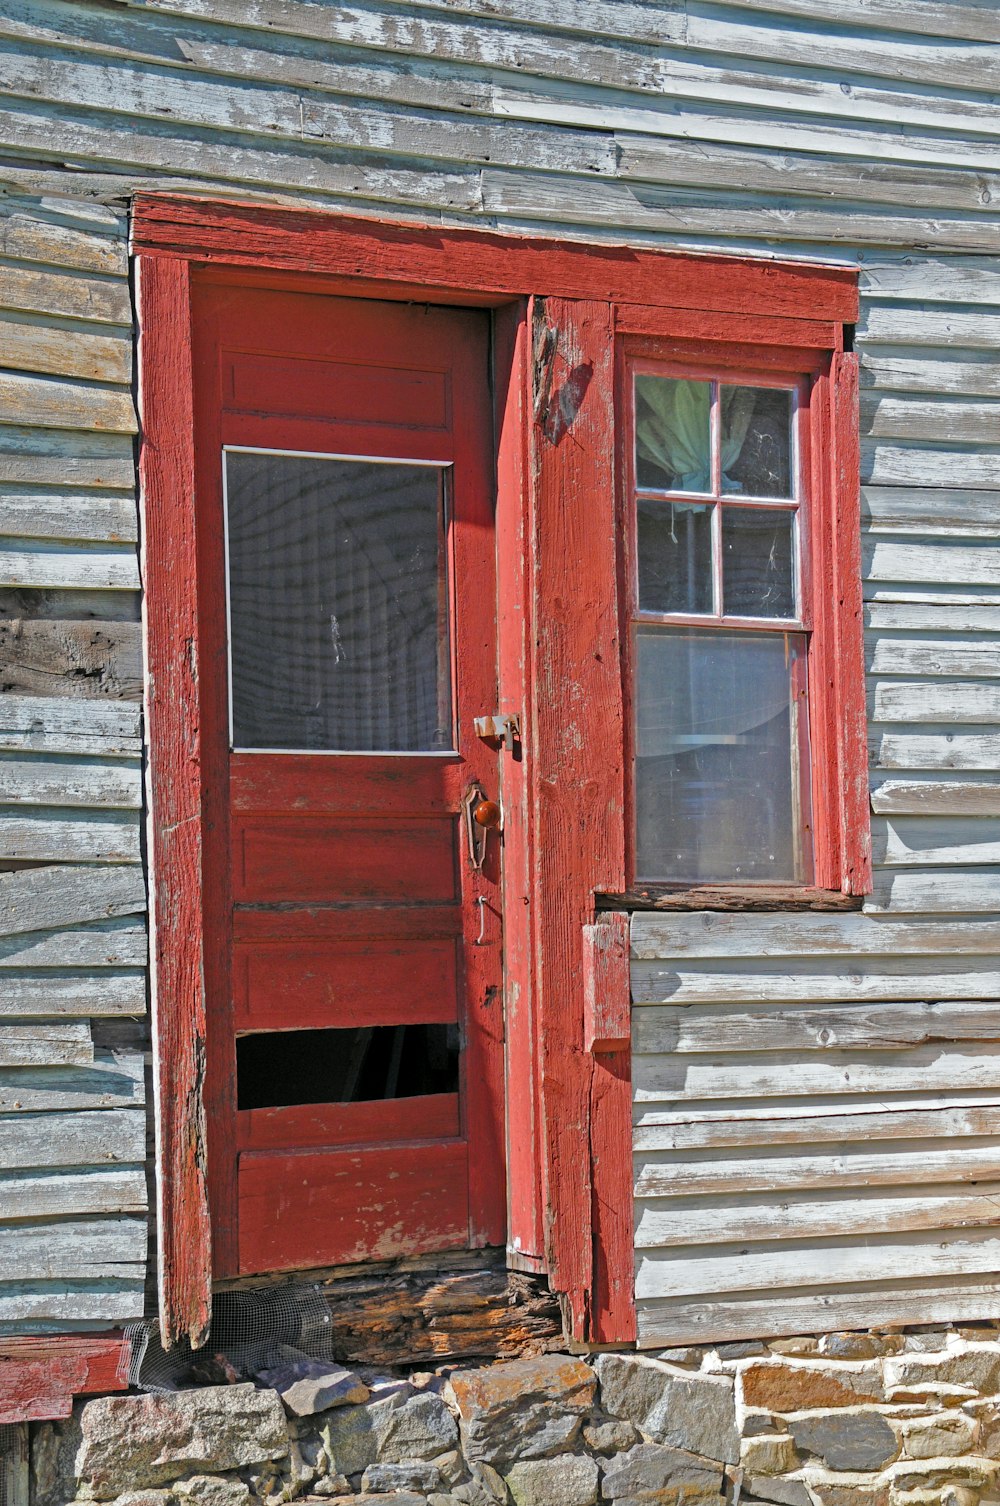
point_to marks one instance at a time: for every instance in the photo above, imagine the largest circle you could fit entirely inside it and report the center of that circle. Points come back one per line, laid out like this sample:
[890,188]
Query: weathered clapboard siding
[72,938]
[777,1062]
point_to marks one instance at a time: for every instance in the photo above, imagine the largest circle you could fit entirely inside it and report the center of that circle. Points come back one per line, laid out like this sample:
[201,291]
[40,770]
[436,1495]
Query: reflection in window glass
[672,427]
[337,604]
[675,557]
[757,577]
[756,441]
[718,743]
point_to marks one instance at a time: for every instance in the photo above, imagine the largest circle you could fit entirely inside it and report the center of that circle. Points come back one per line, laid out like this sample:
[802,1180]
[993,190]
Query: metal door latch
[501,727]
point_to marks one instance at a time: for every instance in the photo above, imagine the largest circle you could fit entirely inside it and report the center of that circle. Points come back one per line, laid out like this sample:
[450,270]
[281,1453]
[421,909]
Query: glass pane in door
[338,604]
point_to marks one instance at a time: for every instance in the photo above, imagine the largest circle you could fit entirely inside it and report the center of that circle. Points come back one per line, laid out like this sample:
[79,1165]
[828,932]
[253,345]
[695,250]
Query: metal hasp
[504,727]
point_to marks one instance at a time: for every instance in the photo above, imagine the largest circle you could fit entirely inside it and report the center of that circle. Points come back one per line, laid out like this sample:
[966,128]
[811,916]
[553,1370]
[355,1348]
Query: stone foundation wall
[853,1419]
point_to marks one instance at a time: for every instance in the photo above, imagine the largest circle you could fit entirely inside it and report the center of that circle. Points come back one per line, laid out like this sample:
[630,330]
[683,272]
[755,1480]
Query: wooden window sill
[729,897]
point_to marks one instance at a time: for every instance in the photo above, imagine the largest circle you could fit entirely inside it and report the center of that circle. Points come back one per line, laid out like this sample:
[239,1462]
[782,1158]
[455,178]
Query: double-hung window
[734,736]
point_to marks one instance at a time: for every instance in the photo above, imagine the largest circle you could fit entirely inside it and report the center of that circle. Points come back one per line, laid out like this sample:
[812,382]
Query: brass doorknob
[486,813]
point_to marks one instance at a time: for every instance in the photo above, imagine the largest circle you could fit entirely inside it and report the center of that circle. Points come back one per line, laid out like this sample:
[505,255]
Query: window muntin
[720,641]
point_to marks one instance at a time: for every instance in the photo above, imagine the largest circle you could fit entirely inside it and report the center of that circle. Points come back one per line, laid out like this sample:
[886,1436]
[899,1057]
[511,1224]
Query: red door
[347,598]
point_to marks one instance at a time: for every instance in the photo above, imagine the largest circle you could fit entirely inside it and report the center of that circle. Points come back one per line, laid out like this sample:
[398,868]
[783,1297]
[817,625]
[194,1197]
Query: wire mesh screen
[13,1464]
[251,1331]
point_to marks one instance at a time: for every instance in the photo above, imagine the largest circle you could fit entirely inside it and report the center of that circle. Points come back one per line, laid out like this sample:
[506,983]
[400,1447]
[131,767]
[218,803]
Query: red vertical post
[170,632]
[575,745]
[849,642]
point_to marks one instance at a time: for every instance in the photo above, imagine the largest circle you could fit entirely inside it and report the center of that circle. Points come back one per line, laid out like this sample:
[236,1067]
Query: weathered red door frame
[559,307]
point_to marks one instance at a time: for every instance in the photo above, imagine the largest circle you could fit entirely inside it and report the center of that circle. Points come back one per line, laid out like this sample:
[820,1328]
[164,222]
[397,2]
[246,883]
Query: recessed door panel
[348,591]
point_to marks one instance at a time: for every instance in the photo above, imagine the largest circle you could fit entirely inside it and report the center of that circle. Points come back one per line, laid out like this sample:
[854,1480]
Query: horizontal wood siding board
[40,1306]
[43,899]
[73,1138]
[943,1298]
[50,1194]
[115,1080]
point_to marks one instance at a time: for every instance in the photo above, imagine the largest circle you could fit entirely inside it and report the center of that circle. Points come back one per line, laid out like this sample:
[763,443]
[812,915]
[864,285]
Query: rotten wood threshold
[429,1310]
[729,897]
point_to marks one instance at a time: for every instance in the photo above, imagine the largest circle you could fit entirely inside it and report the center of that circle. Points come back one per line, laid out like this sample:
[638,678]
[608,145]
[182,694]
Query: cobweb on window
[251,1331]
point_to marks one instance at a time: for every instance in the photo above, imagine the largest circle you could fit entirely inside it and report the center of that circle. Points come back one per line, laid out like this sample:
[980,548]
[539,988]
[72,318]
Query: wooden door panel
[339,883]
[311,985]
[356,393]
[432,1116]
[311,859]
[341,1206]
[360,786]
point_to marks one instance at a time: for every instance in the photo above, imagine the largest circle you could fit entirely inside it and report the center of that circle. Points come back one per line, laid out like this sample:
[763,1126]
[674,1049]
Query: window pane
[717,784]
[757,577]
[757,441]
[672,447]
[338,604]
[675,557]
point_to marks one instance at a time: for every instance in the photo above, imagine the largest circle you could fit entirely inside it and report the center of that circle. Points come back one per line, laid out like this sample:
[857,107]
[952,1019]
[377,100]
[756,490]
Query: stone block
[609,1437]
[147,1498]
[526,1409]
[776,1492]
[692,1412]
[925,1474]
[310,1386]
[568,1480]
[410,1474]
[847,1440]
[417,1425]
[213,1490]
[780,1386]
[768,1454]
[976,1371]
[130,1442]
[944,1434]
[848,1492]
[653,1467]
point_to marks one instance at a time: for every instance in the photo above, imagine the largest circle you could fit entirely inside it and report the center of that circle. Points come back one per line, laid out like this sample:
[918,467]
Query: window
[722,789]
[732,759]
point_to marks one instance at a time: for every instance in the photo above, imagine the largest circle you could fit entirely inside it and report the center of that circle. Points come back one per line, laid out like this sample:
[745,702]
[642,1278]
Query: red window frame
[565,315]
[828,531]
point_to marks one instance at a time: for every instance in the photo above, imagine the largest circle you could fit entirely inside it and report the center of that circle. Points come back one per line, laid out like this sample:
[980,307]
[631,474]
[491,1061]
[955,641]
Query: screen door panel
[355,1051]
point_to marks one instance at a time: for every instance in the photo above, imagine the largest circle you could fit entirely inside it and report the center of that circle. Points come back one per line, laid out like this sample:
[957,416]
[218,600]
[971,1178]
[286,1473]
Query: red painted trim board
[40,1376]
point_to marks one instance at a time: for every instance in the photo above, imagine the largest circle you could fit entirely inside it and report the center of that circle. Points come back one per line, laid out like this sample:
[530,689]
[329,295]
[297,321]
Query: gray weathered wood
[106,1137]
[750,1075]
[955,657]
[935,891]
[52,836]
[673,1221]
[78,1250]
[106,943]
[759,936]
[114,1081]
[937,418]
[31,1306]
[45,402]
[63,350]
[941,511]
[51,1194]
[55,996]
[720,1129]
[60,783]
[899,369]
[893,796]
[44,899]
[815,979]
[45,1043]
[919,701]
[938,750]
[68,568]
[840,1305]
[882,1027]
[55,725]
[720,1269]
[65,295]
[59,657]
[107,519]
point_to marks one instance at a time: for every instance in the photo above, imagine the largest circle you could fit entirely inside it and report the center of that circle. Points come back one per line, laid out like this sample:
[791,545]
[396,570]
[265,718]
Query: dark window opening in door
[278,1068]
[338,603]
